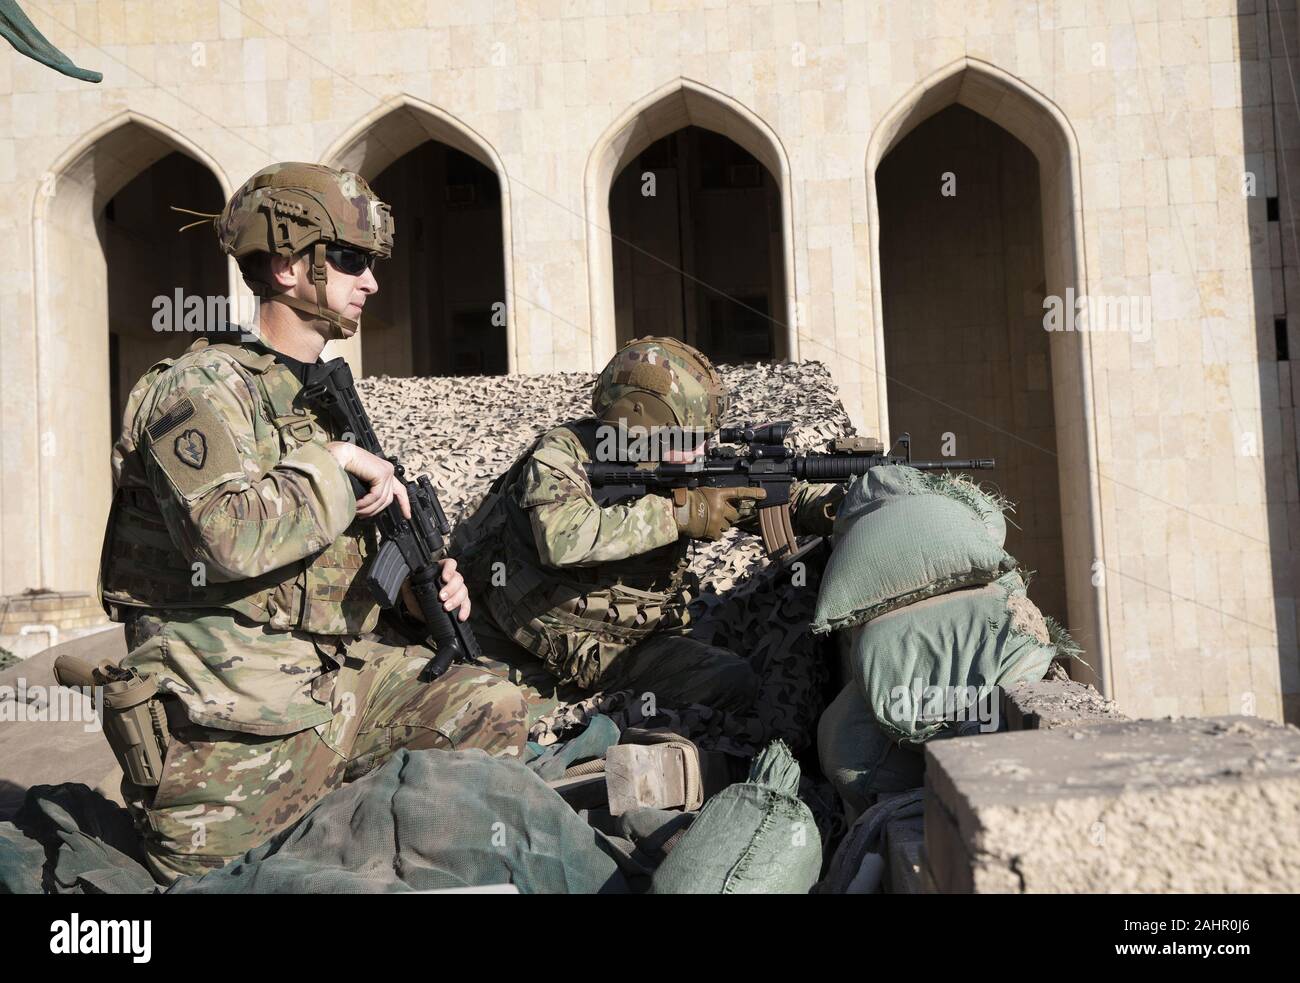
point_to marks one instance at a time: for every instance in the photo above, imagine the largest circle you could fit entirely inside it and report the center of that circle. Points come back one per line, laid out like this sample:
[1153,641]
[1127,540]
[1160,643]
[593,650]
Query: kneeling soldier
[235,554]
[600,594]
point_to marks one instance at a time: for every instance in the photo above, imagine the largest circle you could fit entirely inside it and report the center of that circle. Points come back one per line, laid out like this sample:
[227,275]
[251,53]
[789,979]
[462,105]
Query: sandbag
[22,859]
[858,758]
[429,820]
[69,839]
[902,535]
[918,665]
[754,837]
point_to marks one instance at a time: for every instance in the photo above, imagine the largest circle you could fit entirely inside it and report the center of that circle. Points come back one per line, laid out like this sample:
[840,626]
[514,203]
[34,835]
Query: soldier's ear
[284,271]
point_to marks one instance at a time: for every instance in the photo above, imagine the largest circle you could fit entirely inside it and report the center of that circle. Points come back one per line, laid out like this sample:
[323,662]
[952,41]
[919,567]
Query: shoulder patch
[174,417]
[250,360]
[192,448]
[201,455]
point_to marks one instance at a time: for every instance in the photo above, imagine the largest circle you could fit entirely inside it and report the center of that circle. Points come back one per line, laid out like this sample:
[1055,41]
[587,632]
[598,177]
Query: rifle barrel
[978,464]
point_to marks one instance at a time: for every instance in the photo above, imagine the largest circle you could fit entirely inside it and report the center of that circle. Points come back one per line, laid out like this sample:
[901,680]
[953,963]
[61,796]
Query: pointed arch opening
[974,203]
[107,260]
[690,229]
[445,296]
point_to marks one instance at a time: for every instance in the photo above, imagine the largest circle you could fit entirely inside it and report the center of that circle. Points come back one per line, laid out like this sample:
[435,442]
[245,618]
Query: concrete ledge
[1135,806]
[109,643]
[50,600]
[33,622]
[1052,703]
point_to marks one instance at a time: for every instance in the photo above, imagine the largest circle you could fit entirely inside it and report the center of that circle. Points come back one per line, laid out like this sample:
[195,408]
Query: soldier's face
[345,293]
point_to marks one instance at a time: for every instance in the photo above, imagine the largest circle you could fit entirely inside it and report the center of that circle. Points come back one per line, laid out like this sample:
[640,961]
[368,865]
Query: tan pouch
[135,718]
[653,768]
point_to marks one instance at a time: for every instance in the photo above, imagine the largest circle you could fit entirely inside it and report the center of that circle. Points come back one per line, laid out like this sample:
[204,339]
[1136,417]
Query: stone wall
[1174,455]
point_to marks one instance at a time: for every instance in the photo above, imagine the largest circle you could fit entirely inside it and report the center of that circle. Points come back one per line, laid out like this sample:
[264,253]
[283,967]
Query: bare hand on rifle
[376,473]
[454,594]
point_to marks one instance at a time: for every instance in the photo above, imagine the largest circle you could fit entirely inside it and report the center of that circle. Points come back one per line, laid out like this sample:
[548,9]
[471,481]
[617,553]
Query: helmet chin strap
[338,327]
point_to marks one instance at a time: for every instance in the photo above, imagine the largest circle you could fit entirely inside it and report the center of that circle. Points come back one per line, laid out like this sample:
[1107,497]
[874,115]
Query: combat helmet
[287,208]
[660,382]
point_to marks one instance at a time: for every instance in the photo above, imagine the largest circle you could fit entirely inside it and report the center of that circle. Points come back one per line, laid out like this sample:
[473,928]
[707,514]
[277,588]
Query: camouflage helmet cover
[290,207]
[660,382]
[285,208]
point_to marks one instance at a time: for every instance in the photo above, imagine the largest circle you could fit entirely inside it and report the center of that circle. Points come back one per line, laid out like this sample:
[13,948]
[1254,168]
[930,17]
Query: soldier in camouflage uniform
[600,595]
[235,550]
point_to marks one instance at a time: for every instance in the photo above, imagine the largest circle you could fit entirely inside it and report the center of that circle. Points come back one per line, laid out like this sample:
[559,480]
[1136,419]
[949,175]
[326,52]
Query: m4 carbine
[767,463]
[407,547]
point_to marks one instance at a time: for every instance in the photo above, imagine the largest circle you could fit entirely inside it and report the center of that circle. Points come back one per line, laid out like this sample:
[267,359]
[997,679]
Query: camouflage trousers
[669,668]
[224,792]
[765,619]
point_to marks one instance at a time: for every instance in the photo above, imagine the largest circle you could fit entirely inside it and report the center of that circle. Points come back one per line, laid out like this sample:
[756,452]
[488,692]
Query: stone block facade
[1142,154]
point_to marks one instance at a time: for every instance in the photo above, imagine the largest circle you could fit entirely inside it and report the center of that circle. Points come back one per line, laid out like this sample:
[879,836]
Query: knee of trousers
[686,671]
[729,680]
[167,867]
[489,713]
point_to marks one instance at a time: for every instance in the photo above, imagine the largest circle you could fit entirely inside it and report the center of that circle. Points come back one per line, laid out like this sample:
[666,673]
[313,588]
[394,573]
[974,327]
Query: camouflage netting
[465,431]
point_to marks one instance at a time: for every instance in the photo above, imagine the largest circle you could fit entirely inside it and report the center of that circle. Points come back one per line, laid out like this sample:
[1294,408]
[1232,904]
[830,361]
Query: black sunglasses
[348,260]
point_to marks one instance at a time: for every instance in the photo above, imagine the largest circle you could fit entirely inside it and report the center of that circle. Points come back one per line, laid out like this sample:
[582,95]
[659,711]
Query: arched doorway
[94,279]
[696,226]
[443,306]
[1031,120]
[968,360]
[709,160]
[151,267]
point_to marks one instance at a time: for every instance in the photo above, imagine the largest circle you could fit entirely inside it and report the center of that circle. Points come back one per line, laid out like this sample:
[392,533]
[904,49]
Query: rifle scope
[754,433]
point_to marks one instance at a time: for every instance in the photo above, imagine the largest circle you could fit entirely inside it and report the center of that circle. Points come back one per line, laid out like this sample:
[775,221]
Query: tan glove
[707,513]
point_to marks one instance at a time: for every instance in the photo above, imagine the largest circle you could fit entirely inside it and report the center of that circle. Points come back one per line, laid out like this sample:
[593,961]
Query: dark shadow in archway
[696,225]
[153,269]
[440,307]
[963,280]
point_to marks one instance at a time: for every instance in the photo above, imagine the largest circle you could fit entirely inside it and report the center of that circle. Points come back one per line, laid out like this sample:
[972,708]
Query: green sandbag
[857,757]
[429,820]
[910,663]
[754,837]
[69,839]
[22,860]
[901,536]
[881,484]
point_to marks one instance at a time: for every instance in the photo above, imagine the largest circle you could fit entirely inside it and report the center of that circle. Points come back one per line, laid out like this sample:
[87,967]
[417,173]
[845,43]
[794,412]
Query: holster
[135,716]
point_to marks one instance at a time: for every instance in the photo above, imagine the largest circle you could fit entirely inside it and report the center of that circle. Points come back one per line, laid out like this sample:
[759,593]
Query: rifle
[412,546]
[768,464]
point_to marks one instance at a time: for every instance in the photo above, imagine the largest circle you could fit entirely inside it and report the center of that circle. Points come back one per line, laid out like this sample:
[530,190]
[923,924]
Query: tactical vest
[575,619]
[141,567]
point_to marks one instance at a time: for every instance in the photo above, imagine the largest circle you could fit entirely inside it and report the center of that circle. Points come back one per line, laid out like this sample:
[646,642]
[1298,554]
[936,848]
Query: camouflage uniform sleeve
[812,507]
[570,529]
[221,506]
